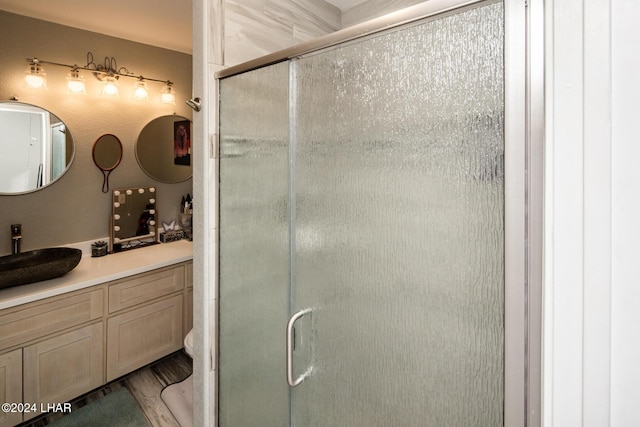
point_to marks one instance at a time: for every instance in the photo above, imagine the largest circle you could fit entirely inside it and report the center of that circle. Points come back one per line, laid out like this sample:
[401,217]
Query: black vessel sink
[37,265]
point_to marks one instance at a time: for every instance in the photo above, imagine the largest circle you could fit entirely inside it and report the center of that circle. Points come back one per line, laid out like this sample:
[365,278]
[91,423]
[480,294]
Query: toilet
[188,344]
[179,396]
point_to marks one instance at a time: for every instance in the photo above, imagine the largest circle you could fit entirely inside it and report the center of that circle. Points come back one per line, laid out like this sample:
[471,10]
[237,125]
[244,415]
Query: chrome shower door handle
[290,380]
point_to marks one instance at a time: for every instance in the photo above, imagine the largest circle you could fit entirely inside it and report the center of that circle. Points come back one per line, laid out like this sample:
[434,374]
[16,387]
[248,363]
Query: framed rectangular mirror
[133,219]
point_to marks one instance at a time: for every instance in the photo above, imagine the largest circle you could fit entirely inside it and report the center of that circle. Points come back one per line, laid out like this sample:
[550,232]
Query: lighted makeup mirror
[107,154]
[133,219]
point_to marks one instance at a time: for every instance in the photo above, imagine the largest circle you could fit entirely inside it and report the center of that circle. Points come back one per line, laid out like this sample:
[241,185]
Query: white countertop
[94,271]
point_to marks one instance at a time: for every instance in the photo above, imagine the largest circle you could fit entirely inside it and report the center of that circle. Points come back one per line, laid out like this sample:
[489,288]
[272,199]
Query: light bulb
[75,82]
[35,75]
[167,96]
[140,92]
[110,87]
[35,81]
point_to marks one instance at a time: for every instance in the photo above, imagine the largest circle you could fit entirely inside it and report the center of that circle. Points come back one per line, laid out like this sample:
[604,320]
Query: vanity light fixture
[35,75]
[108,73]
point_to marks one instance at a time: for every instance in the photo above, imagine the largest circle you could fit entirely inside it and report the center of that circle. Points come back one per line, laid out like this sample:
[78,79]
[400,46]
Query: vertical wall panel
[597,213]
[625,87]
[592,293]
[563,218]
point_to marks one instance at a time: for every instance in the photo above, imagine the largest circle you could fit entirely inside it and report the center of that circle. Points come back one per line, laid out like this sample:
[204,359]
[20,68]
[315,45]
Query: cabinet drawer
[143,335]
[34,320]
[145,288]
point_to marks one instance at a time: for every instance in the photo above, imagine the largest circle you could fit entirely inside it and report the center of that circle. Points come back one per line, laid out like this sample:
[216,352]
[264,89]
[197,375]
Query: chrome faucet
[16,236]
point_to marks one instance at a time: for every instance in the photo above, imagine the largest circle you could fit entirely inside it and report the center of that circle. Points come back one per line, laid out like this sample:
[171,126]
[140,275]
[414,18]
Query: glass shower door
[399,227]
[254,248]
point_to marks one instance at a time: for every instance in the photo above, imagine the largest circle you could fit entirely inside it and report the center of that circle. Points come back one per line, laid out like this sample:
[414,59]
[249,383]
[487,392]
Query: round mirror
[107,153]
[37,148]
[163,149]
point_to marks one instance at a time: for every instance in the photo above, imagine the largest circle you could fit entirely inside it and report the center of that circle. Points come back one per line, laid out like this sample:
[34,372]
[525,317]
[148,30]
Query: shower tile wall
[370,9]
[250,29]
[286,22]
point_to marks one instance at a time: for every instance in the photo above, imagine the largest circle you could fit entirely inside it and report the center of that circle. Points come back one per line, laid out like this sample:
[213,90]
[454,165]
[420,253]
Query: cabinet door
[11,386]
[142,335]
[64,367]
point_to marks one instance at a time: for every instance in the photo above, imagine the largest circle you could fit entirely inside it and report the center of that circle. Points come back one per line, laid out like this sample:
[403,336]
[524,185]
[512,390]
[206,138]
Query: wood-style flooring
[145,385]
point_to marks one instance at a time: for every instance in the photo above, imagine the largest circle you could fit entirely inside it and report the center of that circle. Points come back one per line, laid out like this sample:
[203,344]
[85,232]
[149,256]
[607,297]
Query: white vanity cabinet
[58,348]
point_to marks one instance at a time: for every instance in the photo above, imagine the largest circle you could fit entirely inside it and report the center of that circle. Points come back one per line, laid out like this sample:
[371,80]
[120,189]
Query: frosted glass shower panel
[399,194]
[254,248]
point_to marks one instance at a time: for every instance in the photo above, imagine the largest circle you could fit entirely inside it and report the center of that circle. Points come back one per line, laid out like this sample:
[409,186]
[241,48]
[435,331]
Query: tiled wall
[372,9]
[245,30]
[254,29]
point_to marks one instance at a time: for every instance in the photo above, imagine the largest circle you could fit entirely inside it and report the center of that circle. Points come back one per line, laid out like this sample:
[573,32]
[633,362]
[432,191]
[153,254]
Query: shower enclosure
[362,230]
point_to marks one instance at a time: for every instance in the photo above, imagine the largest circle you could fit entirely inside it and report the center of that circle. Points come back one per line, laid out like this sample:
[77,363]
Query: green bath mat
[116,409]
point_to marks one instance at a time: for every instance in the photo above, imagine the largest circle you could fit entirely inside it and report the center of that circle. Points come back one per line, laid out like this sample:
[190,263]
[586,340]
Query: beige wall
[74,209]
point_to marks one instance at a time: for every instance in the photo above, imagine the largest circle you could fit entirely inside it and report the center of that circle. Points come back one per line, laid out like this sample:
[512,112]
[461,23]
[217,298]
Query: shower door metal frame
[523,133]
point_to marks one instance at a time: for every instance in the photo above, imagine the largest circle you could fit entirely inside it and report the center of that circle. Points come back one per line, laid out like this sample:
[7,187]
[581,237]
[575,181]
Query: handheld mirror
[107,153]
